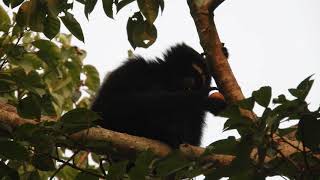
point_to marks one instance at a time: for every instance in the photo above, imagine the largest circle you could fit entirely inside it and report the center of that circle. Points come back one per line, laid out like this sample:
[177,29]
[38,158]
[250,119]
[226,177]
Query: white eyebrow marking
[200,71]
[197,68]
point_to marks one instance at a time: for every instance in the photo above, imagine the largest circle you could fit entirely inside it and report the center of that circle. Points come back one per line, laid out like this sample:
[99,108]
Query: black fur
[159,99]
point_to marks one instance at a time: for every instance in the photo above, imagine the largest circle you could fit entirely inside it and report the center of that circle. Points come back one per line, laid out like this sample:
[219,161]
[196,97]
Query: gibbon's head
[186,68]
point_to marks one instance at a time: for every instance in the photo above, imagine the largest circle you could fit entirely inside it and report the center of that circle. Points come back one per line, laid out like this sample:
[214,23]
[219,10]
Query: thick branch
[126,143]
[219,67]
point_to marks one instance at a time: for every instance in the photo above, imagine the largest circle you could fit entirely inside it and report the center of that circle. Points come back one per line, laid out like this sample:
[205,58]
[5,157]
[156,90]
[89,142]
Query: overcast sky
[271,42]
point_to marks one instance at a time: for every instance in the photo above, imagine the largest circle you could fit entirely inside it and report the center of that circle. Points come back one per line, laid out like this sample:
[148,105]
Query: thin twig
[76,167]
[101,167]
[288,159]
[63,165]
[3,63]
[295,147]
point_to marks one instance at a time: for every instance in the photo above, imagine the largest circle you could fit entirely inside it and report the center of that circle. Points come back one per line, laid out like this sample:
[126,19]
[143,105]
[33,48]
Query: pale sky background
[271,42]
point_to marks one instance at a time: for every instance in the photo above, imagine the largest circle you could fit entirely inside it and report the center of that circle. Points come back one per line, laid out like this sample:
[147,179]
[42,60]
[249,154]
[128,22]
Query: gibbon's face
[194,77]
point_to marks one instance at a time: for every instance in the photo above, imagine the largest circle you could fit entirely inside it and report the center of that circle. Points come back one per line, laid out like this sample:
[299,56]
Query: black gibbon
[163,99]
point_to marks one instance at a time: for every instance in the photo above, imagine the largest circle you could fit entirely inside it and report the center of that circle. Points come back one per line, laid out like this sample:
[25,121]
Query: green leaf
[48,47]
[149,9]
[77,120]
[283,132]
[117,170]
[241,124]
[51,26]
[303,89]
[32,14]
[14,51]
[4,20]
[81,1]
[49,53]
[270,119]
[262,96]
[43,162]
[31,82]
[292,109]
[231,112]
[25,131]
[28,62]
[309,132]
[141,168]
[86,176]
[54,7]
[15,3]
[29,107]
[7,2]
[107,7]
[140,33]
[247,103]
[161,4]
[47,105]
[73,26]
[34,175]
[17,30]
[280,100]
[224,146]
[122,4]
[89,6]
[13,150]
[170,164]
[6,171]
[92,77]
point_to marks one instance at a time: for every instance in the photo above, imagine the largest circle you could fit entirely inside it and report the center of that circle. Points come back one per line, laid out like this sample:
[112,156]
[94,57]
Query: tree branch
[129,144]
[202,14]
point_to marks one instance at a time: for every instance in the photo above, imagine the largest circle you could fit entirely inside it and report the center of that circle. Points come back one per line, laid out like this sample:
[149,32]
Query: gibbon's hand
[215,103]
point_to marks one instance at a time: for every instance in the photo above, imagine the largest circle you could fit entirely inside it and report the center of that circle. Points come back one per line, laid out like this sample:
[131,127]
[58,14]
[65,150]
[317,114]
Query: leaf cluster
[141,30]
[263,134]
[42,77]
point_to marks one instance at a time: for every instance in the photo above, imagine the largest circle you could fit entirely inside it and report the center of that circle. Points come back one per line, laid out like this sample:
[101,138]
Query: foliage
[41,78]
[263,133]
[45,16]
[44,77]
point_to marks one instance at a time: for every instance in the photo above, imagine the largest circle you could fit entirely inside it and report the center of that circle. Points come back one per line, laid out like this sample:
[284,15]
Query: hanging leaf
[32,14]
[29,107]
[15,3]
[77,120]
[140,32]
[86,176]
[13,150]
[107,7]
[161,4]
[122,4]
[117,170]
[4,20]
[92,77]
[6,171]
[51,26]
[262,96]
[89,6]
[43,162]
[149,9]
[73,26]
[303,89]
